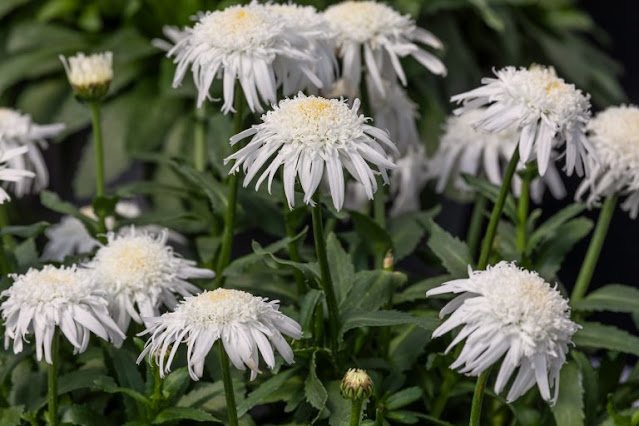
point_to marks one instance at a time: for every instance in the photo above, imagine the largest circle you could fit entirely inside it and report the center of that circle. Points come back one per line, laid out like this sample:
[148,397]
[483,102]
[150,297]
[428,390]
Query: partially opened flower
[548,113]
[16,131]
[89,76]
[512,313]
[246,325]
[249,43]
[7,174]
[139,273]
[307,134]
[67,298]
[614,133]
[383,36]
[464,150]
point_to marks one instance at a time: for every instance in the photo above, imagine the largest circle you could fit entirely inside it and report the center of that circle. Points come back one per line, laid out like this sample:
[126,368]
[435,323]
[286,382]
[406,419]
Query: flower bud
[389,261]
[356,384]
[89,76]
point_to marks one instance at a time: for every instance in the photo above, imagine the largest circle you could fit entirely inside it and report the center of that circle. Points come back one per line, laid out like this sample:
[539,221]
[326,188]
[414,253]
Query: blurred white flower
[65,297]
[383,36]
[7,174]
[306,134]
[614,133]
[506,310]
[16,131]
[464,150]
[89,76]
[139,273]
[548,113]
[250,43]
[246,325]
[408,180]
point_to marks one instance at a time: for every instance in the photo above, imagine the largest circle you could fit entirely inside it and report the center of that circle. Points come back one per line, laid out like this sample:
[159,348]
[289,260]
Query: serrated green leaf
[550,227]
[491,192]
[10,416]
[453,253]
[569,408]
[418,290]
[310,270]
[201,395]
[386,318]
[371,290]
[613,297]
[338,406]
[597,335]
[314,390]
[215,191]
[590,384]
[550,255]
[406,231]
[375,238]
[341,266]
[403,397]
[28,231]
[107,384]
[175,383]
[51,201]
[307,308]
[264,390]
[184,413]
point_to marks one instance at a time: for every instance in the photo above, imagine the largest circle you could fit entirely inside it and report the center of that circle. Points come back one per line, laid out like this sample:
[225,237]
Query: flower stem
[487,244]
[379,214]
[200,153]
[478,396]
[228,386]
[156,397]
[522,215]
[476,222]
[99,158]
[356,412]
[594,249]
[293,250]
[53,379]
[327,282]
[5,266]
[229,215]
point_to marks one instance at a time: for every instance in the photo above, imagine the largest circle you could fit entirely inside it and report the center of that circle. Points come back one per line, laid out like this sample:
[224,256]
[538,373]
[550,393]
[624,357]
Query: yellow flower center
[315,109]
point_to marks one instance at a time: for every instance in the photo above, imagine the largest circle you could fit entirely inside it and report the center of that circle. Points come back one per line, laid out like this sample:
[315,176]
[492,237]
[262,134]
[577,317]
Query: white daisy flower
[614,133]
[506,310]
[89,76]
[308,133]
[7,174]
[140,273]
[547,111]
[247,326]
[65,297]
[318,40]
[463,149]
[383,36]
[408,180]
[251,43]
[18,130]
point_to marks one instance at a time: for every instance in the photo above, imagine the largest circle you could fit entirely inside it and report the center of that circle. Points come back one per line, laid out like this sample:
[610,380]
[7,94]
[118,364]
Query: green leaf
[371,290]
[175,383]
[341,266]
[107,384]
[386,318]
[590,384]
[310,270]
[28,231]
[569,409]
[597,335]
[215,191]
[375,238]
[491,192]
[10,416]
[26,254]
[453,253]
[418,290]
[307,308]
[105,206]
[184,413]
[264,390]
[7,6]
[550,255]
[406,231]
[338,406]
[403,398]
[78,379]
[550,228]
[613,297]
[51,201]
[315,391]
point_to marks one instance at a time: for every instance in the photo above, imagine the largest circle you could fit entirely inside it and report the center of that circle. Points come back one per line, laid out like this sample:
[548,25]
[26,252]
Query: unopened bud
[356,384]
[89,76]
[389,261]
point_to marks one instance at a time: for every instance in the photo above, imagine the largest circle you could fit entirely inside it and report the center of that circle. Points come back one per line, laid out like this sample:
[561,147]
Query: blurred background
[591,43]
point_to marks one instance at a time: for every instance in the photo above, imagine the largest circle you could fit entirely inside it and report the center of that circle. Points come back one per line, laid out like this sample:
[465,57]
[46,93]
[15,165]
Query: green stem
[356,412]
[487,244]
[228,386]
[4,222]
[443,393]
[594,249]
[379,214]
[522,215]
[53,379]
[229,215]
[327,282]
[478,396]
[293,249]
[200,153]
[156,397]
[99,159]
[476,222]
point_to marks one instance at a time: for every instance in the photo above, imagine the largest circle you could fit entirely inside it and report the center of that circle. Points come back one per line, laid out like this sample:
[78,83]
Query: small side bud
[356,385]
[89,76]
[389,261]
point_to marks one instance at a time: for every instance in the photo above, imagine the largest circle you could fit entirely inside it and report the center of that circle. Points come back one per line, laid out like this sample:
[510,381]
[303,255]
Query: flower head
[140,273]
[506,310]
[614,133]
[356,384]
[250,43]
[308,133]
[547,111]
[464,150]
[16,131]
[89,76]
[384,36]
[65,297]
[247,326]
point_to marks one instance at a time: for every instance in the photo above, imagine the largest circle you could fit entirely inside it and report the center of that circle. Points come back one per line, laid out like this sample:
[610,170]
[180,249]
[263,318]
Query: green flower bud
[356,384]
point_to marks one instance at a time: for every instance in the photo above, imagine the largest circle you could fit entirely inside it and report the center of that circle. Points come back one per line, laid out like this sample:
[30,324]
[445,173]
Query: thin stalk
[487,244]
[4,222]
[293,249]
[5,266]
[594,249]
[99,158]
[229,215]
[478,396]
[356,412]
[450,378]
[200,152]
[522,215]
[327,282]
[476,222]
[379,214]
[52,392]
[156,397]
[228,386]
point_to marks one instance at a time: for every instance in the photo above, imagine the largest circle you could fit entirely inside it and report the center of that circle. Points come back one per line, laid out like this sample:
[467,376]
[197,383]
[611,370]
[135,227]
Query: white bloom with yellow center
[547,111]
[614,133]
[140,273]
[250,43]
[65,297]
[16,131]
[90,76]
[383,36]
[506,310]
[246,325]
[464,150]
[306,134]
